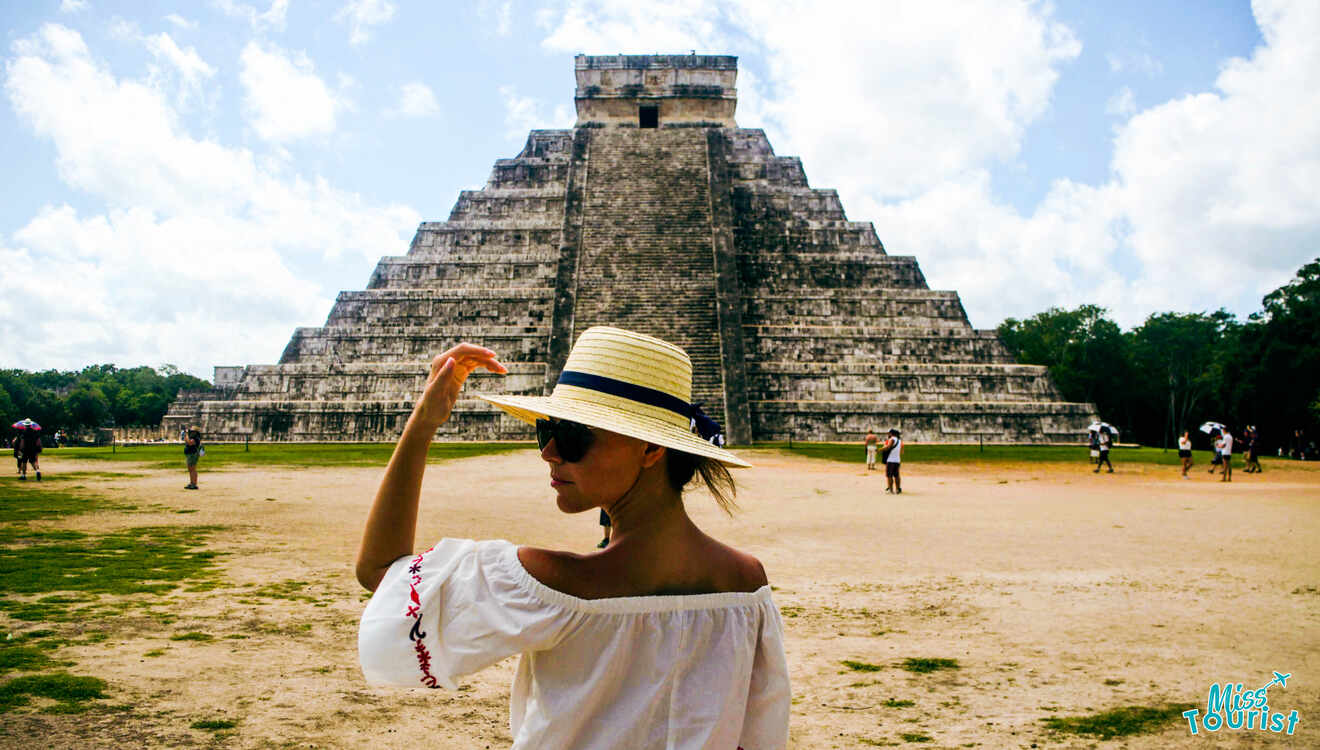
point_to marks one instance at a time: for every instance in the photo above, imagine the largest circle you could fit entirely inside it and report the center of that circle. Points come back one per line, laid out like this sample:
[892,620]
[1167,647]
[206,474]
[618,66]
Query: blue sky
[188,182]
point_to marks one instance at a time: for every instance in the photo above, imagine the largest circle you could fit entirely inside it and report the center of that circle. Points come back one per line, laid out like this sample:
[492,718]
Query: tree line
[96,396]
[1177,370]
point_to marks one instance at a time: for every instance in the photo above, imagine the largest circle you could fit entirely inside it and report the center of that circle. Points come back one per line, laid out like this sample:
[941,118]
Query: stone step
[413,273]
[905,387]
[924,421]
[439,237]
[891,308]
[370,382]
[764,274]
[467,311]
[879,369]
[348,421]
[824,345]
[371,344]
[498,206]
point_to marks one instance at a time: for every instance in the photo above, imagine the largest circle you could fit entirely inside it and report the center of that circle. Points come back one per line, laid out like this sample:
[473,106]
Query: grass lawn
[964,454]
[170,455]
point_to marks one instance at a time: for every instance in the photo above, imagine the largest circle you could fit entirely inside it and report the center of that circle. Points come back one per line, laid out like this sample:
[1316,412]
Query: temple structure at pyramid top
[645,90]
[655,213]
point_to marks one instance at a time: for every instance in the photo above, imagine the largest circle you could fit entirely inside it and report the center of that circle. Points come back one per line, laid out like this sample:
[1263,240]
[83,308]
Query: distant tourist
[893,454]
[665,638]
[29,446]
[17,445]
[192,451]
[1252,439]
[871,442]
[1095,448]
[1226,454]
[1105,443]
[605,527]
[1185,452]
[1218,461]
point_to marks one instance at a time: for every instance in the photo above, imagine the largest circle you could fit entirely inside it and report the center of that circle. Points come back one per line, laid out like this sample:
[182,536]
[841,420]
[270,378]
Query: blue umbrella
[26,424]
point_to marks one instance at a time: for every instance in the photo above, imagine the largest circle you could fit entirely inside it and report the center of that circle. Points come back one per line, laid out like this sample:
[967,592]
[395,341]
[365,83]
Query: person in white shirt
[893,451]
[1227,452]
[665,638]
[1106,441]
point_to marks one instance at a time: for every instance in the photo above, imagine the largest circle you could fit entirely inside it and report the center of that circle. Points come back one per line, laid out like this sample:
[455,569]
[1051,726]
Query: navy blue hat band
[624,389]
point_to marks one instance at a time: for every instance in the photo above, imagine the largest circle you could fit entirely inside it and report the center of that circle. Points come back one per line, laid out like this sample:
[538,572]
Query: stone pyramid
[656,213]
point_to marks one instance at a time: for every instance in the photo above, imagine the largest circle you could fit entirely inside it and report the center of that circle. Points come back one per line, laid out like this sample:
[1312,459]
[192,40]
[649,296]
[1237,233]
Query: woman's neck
[651,508]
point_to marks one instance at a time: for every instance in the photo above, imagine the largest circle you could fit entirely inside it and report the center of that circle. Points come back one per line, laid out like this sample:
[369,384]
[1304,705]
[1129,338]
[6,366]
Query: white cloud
[524,113]
[124,30]
[272,18]
[361,15]
[929,76]
[499,13]
[1122,103]
[201,249]
[181,22]
[1214,199]
[72,6]
[1213,202]
[1137,62]
[184,65]
[415,100]
[284,98]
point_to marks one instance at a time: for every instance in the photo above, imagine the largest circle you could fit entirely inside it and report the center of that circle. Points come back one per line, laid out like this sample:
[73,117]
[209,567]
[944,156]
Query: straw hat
[624,382]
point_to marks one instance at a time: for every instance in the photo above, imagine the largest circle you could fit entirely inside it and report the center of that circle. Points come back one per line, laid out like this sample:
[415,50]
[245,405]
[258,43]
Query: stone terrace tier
[932,421]
[657,213]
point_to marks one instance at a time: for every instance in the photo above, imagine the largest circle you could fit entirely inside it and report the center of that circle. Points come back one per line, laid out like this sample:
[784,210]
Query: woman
[1185,452]
[665,638]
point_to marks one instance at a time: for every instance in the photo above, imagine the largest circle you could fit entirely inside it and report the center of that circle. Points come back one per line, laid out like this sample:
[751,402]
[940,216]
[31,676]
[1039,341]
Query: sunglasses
[571,439]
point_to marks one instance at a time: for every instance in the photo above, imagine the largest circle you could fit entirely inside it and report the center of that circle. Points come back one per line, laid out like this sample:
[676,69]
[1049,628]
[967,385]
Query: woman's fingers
[466,358]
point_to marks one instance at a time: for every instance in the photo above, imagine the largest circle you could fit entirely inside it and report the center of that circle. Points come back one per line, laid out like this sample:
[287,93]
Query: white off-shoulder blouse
[663,672]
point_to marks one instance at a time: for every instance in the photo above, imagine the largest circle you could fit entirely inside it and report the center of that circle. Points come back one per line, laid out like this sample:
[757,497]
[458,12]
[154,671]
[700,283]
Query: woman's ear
[652,455]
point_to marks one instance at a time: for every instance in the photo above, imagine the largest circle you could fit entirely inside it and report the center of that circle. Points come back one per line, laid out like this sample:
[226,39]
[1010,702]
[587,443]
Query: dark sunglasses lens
[571,439]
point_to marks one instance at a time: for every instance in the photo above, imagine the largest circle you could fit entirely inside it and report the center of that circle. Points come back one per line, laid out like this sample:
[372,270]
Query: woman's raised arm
[392,523]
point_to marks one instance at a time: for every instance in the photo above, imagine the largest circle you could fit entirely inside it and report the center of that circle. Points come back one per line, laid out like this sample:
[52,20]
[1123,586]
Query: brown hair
[683,468]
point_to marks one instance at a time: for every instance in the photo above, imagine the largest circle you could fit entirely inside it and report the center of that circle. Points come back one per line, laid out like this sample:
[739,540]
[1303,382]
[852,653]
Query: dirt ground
[1059,592]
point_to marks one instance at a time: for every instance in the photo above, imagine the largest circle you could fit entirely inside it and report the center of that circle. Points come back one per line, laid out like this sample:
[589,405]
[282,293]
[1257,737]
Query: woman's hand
[448,373]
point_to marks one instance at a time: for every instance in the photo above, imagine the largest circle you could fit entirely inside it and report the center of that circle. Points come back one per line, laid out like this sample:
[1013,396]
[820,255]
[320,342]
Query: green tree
[1085,351]
[1180,358]
[88,406]
[1280,354]
[9,413]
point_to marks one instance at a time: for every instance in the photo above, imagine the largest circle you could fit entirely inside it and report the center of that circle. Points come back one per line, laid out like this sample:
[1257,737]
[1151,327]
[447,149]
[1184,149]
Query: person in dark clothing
[192,450]
[18,457]
[604,524]
[1252,439]
[30,446]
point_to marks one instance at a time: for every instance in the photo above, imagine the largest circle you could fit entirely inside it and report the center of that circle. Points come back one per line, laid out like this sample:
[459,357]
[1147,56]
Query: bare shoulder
[746,572]
[550,567]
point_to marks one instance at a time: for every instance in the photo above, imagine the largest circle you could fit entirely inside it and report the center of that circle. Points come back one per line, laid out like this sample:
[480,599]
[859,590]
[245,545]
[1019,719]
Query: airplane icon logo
[1279,679]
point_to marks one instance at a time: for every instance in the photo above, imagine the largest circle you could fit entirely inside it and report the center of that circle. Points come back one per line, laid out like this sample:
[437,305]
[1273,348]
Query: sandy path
[1059,592]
